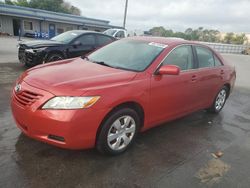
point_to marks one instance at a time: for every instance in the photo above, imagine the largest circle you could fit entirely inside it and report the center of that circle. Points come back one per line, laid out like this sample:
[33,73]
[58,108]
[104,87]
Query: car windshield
[110,32]
[127,54]
[66,37]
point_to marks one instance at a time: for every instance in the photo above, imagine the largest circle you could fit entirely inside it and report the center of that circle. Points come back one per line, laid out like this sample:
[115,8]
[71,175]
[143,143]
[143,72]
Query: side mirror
[77,43]
[169,70]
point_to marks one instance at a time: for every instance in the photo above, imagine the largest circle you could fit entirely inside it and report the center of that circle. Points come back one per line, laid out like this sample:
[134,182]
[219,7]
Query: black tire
[54,57]
[216,108]
[102,143]
[27,65]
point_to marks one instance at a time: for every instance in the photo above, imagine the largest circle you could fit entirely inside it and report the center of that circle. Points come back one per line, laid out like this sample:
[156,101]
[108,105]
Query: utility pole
[125,14]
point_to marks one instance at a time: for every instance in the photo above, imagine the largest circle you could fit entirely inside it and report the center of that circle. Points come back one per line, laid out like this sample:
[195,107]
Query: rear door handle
[193,78]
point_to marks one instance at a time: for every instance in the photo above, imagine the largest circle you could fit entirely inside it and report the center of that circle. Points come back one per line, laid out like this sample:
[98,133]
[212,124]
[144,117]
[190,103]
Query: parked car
[246,51]
[117,33]
[130,85]
[66,45]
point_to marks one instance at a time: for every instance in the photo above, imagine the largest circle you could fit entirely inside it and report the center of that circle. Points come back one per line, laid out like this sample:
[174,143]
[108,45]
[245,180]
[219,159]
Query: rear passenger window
[217,62]
[205,57]
[181,57]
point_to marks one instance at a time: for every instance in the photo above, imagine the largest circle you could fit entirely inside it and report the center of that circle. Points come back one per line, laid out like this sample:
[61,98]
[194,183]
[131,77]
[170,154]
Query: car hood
[75,76]
[41,43]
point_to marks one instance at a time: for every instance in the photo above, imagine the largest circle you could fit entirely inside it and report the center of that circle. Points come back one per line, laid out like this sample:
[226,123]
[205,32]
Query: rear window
[205,57]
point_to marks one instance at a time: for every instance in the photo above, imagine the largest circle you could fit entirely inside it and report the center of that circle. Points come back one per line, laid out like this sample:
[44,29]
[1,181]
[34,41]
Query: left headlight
[31,50]
[70,102]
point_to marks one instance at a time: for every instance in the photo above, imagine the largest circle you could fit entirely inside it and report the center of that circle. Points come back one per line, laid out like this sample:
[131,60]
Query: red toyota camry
[104,99]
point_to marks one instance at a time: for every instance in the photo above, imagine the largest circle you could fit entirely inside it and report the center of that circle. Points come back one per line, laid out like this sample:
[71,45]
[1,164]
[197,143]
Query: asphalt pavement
[176,154]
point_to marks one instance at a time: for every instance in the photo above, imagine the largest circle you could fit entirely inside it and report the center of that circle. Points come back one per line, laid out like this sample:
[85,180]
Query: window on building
[69,28]
[28,25]
[59,30]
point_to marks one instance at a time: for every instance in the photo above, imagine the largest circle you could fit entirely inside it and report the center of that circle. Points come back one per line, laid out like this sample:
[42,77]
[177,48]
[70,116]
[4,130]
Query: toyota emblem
[17,88]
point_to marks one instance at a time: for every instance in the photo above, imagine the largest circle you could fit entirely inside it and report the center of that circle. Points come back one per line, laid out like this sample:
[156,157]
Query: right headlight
[70,102]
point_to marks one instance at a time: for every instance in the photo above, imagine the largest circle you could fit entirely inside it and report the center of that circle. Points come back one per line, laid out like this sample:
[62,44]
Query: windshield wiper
[85,57]
[103,63]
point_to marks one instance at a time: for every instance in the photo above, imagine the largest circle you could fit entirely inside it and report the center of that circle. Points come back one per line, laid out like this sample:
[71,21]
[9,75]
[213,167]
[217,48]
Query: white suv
[117,33]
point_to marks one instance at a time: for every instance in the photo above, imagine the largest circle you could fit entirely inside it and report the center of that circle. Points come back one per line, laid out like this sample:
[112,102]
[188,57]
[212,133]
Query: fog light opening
[57,138]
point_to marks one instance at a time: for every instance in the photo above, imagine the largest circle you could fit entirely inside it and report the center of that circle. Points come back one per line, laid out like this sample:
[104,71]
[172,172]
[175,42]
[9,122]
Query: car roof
[88,32]
[164,40]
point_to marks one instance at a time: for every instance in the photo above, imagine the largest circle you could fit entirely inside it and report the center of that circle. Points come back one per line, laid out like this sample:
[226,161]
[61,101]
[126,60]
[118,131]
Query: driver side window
[181,56]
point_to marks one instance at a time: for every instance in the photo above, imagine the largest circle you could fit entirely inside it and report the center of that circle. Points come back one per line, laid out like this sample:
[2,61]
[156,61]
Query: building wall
[60,27]
[6,24]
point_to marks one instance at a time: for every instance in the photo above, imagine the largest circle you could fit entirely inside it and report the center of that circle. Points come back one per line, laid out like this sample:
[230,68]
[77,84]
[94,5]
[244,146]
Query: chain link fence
[227,48]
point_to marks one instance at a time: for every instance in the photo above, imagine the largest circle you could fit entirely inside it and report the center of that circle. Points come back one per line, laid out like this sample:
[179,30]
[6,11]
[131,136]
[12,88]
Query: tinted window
[217,61]
[87,40]
[102,40]
[120,34]
[181,57]
[127,54]
[205,57]
[66,36]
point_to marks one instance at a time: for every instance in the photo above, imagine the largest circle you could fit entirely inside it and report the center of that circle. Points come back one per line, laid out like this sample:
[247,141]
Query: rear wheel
[220,100]
[118,132]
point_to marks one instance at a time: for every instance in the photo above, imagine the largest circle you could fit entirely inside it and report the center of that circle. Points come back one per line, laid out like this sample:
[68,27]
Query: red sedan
[104,99]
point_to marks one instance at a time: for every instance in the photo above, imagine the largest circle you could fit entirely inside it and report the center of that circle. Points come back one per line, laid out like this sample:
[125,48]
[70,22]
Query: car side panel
[210,81]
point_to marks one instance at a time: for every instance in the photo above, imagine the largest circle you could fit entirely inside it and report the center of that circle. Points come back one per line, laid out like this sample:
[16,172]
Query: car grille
[26,98]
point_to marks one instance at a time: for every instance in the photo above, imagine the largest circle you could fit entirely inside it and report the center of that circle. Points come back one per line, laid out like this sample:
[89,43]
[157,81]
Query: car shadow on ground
[156,151]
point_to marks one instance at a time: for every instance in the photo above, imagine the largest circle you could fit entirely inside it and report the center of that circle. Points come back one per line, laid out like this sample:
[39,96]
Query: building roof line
[14,7]
[57,20]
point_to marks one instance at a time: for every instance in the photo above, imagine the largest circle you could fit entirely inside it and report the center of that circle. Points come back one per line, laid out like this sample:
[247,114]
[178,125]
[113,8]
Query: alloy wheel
[121,133]
[220,100]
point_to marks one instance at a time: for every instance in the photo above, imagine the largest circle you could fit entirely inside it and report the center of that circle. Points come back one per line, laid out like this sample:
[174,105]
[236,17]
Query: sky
[224,15]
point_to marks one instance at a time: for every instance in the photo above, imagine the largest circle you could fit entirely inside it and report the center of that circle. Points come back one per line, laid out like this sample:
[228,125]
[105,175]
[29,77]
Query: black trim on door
[195,57]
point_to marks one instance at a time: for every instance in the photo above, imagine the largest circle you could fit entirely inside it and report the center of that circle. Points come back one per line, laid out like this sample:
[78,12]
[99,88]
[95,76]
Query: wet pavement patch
[213,171]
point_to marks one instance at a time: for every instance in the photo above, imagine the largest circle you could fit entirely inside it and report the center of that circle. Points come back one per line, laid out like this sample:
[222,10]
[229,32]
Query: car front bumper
[72,129]
[30,59]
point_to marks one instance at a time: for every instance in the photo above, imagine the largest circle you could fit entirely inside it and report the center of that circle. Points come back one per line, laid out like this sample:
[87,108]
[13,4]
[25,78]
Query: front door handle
[194,78]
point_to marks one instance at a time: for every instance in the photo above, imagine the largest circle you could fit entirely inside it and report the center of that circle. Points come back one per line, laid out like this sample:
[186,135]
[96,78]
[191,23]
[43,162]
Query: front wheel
[219,101]
[118,132]
[54,57]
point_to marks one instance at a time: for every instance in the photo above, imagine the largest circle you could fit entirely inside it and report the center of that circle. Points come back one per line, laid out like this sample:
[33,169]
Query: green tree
[50,5]
[200,34]
[8,2]
[228,38]
[158,31]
